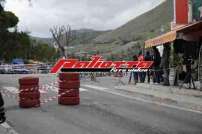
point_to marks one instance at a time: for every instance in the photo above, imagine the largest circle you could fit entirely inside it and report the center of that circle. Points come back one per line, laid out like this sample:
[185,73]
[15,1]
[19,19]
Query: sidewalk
[187,98]
[192,96]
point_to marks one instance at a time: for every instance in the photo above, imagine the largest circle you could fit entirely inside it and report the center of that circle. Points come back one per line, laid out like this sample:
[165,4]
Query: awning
[172,35]
[191,28]
[165,38]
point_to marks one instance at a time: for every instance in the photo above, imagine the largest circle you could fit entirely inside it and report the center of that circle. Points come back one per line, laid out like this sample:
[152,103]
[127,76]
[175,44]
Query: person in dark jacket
[134,74]
[2,112]
[148,57]
[156,65]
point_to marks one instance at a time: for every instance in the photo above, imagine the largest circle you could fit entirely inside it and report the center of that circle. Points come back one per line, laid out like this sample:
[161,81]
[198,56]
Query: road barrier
[44,88]
[28,95]
[31,96]
[69,84]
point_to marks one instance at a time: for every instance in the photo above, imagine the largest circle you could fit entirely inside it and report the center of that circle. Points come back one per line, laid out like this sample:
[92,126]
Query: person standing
[156,65]
[148,57]
[141,74]
[2,112]
[134,74]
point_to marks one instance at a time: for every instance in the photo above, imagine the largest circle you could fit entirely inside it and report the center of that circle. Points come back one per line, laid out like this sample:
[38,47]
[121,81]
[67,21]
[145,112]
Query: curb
[164,100]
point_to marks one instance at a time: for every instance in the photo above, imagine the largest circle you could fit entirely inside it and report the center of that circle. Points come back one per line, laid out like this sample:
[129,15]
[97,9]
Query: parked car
[6,69]
[43,68]
[20,69]
[17,61]
[1,69]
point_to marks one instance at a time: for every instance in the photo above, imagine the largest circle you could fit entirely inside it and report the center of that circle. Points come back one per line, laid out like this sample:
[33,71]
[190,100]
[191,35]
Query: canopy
[189,29]
[165,38]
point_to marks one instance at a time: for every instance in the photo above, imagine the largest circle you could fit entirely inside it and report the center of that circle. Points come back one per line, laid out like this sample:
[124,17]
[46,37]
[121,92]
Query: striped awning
[165,38]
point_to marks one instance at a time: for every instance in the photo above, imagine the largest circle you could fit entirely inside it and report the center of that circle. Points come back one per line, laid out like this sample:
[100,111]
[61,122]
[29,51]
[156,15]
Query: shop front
[182,54]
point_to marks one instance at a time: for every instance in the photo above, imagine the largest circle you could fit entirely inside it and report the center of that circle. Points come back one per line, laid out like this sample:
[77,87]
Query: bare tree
[63,36]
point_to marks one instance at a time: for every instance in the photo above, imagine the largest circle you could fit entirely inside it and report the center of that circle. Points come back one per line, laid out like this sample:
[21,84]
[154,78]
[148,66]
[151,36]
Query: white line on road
[139,99]
[52,88]
[83,89]
[16,90]
[42,91]
[55,89]
[9,129]
[95,87]
[12,89]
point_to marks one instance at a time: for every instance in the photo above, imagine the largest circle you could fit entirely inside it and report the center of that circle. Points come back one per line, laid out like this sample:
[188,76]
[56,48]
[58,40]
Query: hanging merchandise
[197,9]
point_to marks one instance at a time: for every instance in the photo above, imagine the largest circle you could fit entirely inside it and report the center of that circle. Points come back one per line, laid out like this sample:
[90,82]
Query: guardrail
[29,68]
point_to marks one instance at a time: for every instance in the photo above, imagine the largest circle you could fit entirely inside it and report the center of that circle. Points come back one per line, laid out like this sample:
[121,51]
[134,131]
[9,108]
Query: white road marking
[12,89]
[9,129]
[95,87]
[52,88]
[55,89]
[15,90]
[42,91]
[83,89]
[140,99]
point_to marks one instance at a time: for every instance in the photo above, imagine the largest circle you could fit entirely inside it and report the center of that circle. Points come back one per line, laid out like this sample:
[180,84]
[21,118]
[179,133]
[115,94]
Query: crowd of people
[154,72]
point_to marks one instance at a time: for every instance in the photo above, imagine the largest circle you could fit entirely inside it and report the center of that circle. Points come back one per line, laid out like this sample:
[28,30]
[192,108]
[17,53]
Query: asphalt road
[100,112]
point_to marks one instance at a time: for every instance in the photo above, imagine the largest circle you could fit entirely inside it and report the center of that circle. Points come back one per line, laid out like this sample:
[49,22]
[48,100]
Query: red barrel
[69,100]
[29,103]
[69,84]
[29,95]
[29,88]
[69,76]
[29,81]
[69,92]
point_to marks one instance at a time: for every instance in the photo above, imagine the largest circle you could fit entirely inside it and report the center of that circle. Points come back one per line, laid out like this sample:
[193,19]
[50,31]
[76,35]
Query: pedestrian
[148,57]
[134,74]
[156,65]
[2,112]
[141,74]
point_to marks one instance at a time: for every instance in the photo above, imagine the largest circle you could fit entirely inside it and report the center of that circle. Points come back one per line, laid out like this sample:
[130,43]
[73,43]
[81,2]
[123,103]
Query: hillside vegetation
[150,22]
[127,40]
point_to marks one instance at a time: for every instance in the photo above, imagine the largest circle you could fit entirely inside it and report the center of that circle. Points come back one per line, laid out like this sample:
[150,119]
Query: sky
[40,15]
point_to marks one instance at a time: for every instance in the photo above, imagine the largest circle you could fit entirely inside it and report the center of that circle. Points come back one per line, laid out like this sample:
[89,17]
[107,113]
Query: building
[185,36]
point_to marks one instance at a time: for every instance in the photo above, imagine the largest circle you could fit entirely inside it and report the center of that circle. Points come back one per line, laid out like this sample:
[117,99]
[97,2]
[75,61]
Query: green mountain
[42,40]
[127,40]
[85,36]
[81,36]
[142,27]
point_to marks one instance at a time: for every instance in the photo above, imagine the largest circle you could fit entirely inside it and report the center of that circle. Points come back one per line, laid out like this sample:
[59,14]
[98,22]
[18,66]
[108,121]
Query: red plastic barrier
[69,77]
[29,95]
[29,81]
[69,100]
[29,103]
[29,88]
[69,93]
[69,84]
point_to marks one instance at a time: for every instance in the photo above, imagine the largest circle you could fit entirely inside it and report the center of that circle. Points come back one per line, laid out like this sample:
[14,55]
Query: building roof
[172,35]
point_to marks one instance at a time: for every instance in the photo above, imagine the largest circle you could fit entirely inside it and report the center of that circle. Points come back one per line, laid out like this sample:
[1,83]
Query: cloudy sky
[41,15]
